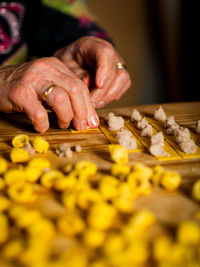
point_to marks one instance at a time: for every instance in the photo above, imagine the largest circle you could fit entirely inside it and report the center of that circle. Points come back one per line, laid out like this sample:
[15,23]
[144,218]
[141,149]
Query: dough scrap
[64,150]
[159,114]
[29,148]
[78,148]
[114,122]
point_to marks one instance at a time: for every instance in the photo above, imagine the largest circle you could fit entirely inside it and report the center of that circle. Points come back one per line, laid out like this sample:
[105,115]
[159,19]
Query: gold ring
[48,91]
[120,65]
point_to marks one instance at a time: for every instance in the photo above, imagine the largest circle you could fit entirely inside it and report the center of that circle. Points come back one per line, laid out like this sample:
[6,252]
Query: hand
[22,88]
[91,53]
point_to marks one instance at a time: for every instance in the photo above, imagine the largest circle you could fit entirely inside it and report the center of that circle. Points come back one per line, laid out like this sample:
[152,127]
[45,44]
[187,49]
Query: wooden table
[169,207]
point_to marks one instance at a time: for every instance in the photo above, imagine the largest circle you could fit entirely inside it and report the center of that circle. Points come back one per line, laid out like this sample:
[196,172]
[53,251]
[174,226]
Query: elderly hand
[22,88]
[91,56]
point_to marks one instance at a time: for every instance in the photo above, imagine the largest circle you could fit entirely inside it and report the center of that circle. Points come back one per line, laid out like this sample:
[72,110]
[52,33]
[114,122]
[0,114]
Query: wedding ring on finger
[48,91]
[120,65]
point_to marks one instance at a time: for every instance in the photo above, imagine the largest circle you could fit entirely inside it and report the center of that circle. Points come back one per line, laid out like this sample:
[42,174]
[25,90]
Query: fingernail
[82,125]
[94,121]
[64,126]
[100,104]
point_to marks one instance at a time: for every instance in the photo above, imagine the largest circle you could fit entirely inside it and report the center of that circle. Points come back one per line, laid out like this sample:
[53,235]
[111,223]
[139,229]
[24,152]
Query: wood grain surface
[169,207]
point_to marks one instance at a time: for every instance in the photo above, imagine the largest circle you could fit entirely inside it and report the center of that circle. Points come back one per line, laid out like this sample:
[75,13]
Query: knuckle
[124,76]
[75,87]
[107,44]
[109,97]
[106,50]
[58,97]
[41,63]
[38,116]
[17,94]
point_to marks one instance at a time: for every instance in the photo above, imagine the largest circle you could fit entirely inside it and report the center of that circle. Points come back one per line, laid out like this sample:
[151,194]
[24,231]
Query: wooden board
[95,143]
[169,207]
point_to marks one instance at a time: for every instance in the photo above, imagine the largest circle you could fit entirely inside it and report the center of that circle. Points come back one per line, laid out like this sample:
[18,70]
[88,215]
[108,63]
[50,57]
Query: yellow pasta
[19,155]
[108,187]
[170,180]
[20,140]
[4,203]
[162,248]
[48,179]
[14,175]
[86,167]
[13,249]
[118,154]
[94,238]
[22,192]
[39,163]
[196,190]
[40,144]
[188,233]
[71,224]
[120,171]
[101,216]
[2,184]
[3,165]
[4,233]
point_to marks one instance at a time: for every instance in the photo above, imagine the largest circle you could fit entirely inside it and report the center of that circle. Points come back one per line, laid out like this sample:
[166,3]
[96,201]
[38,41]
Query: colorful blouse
[37,28]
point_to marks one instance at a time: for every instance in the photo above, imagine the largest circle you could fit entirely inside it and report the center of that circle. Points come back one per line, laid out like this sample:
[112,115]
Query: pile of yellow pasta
[99,226]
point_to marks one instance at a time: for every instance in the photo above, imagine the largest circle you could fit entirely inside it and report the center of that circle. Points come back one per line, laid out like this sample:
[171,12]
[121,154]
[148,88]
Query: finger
[119,86]
[79,71]
[120,83]
[122,92]
[67,59]
[72,85]
[59,101]
[98,93]
[37,114]
[106,58]
[92,119]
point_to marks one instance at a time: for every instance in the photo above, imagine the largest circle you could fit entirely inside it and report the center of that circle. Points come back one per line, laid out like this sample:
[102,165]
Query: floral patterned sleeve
[60,22]
[37,28]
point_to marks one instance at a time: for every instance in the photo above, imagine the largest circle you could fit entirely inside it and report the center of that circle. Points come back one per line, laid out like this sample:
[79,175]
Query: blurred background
[152,38]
